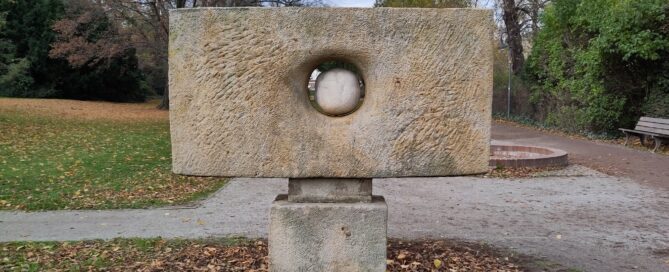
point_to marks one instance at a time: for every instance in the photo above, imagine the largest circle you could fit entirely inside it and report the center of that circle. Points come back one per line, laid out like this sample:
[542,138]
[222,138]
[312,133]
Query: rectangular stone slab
[239,104]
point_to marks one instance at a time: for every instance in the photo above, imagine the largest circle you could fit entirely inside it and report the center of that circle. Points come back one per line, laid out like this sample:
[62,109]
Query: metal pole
[508,90]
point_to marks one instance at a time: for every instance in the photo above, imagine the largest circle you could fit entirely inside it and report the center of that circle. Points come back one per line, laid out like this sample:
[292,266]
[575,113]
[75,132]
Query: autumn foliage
[86,36]
[66,49]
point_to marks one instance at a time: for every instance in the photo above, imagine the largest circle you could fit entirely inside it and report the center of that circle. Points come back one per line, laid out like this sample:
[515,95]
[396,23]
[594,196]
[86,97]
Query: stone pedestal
[328,235]
[329,190]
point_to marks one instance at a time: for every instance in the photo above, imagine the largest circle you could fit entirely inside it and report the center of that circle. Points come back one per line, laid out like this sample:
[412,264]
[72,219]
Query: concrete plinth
[329,190]
[328,236]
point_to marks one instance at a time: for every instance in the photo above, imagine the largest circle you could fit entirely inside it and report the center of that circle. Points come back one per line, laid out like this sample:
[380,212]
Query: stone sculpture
[239,106]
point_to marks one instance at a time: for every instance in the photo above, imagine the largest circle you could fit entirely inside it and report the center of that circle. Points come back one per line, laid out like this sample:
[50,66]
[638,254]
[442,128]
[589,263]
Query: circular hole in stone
[336,88]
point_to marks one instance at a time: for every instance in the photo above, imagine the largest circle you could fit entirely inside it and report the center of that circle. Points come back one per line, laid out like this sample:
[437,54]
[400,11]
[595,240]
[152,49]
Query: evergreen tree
[24,44]
[27,36]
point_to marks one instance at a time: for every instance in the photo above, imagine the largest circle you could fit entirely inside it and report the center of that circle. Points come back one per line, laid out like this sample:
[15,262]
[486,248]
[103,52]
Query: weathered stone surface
[239,104]
[346,237]
[329,190]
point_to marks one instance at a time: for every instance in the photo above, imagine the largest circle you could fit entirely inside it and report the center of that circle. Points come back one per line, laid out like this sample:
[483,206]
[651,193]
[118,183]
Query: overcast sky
[350,3]
[370,3]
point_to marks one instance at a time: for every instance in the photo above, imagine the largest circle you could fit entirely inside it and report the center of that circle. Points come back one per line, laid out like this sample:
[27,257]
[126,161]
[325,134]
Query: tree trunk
[514,39]
[165,102]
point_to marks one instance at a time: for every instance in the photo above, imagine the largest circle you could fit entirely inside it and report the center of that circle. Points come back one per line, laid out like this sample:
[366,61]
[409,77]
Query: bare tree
[85,36]
[146,23]
[530,11]
[149,23]
[520,25]
[514,38]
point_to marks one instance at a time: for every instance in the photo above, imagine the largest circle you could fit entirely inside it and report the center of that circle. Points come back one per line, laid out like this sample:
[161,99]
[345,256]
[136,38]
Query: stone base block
[328,236]
[333,190]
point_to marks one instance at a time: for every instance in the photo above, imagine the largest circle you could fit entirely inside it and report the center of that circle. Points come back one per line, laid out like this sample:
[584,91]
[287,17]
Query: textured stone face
[239,103]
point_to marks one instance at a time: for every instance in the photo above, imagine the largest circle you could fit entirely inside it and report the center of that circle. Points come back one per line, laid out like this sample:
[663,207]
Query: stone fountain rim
[548,157]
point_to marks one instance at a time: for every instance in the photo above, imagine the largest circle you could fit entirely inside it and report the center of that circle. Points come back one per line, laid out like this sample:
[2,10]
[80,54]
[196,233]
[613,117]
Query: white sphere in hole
[337,91]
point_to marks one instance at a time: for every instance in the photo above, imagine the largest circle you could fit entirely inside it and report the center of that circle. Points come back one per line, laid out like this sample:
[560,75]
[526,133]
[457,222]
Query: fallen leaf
[437,263]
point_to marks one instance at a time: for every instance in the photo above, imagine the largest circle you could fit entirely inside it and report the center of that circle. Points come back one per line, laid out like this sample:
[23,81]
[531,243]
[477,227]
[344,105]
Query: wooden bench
[656,128]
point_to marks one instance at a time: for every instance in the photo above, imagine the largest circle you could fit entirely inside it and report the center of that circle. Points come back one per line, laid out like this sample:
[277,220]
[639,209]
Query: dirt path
[617,160]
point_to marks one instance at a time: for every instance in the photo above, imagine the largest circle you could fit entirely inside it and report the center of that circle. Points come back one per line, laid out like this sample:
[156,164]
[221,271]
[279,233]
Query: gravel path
[576,217]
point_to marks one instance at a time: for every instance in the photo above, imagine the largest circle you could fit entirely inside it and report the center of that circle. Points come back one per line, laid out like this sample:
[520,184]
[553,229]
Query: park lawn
[63,154]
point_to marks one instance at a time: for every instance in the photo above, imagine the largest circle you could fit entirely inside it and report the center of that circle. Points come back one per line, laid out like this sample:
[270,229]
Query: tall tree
[513,34]
[86,37]
[15,78]
[518,23]
[27,36]
[600,64]
[49,49]
[149,21]
[99,54]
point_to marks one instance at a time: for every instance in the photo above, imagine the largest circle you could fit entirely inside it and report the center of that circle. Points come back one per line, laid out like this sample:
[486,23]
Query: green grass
[49,163]
[113,255]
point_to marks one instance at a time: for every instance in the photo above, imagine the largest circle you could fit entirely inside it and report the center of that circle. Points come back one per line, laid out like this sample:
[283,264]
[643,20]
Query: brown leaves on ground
[87,110]
[635,143]
[229,255]
[249,257]
[430,255]
[136,255]
[519,172]
[172,189]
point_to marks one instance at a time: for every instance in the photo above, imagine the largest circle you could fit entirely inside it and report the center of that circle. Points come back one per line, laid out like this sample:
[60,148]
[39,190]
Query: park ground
[66,154]
[76,156]
[635,162]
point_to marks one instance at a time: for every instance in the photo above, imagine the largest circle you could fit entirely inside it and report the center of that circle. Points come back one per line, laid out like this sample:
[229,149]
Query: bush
[657,101]
[600,64]
[16,80]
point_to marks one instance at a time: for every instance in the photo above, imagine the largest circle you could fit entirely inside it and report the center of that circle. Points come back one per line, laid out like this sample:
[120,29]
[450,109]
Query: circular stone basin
[513,156]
